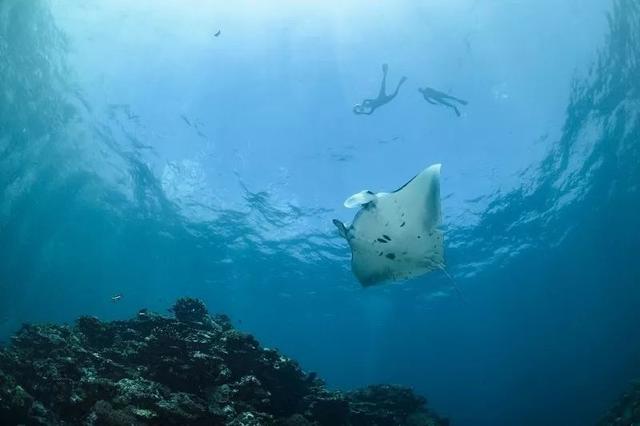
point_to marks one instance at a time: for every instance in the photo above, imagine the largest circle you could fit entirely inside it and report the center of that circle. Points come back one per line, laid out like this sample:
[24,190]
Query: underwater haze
[143,153]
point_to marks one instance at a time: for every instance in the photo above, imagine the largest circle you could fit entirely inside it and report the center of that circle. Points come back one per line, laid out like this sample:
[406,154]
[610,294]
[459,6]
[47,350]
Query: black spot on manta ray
[390,256]
[419,236]
[402,224]
[380,254]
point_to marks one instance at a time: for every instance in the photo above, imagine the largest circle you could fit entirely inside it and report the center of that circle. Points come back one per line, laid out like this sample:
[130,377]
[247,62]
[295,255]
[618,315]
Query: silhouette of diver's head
[361,109]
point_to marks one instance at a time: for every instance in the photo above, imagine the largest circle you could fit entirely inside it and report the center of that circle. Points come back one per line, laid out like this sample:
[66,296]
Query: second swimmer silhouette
[369,105]
[436,97]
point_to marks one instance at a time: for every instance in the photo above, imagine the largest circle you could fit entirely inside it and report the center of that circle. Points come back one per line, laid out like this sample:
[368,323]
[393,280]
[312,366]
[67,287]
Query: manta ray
[395,235]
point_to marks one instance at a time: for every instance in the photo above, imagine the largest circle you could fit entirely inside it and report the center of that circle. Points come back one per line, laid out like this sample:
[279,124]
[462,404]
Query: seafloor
[193,369]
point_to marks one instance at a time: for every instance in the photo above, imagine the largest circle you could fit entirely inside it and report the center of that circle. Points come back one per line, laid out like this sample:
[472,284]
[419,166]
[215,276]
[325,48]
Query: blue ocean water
[141,154]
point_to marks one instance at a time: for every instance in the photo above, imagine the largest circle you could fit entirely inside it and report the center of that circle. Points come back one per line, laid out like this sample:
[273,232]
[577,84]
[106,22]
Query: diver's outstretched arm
[432,102]
[360,110]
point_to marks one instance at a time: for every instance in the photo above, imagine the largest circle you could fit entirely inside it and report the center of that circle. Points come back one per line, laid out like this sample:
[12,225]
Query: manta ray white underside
[396,235]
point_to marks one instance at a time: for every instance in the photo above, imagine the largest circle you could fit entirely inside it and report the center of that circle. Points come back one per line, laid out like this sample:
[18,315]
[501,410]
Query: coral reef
[194,369]
[188,309]
[626,412]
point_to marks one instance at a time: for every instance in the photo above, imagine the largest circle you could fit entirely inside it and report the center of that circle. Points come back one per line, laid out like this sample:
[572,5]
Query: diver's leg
[453,98]
[402,80]
[383,85]
[431,101]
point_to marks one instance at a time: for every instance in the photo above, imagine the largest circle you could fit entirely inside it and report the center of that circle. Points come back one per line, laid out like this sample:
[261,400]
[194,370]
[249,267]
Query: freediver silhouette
[435,97]
[369,105]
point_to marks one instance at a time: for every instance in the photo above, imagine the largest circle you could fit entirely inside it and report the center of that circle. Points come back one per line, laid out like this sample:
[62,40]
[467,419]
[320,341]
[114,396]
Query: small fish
[385,141]
[116,298]
[217,33]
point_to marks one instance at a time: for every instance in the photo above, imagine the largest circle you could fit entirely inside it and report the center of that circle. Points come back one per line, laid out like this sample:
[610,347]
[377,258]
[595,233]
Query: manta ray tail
[453,283]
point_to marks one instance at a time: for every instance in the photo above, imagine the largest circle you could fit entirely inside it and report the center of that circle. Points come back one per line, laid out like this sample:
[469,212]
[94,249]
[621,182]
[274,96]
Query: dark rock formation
[195,369]
[626,412]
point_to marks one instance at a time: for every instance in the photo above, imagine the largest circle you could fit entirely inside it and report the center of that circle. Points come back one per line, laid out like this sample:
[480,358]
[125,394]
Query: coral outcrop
[194,369]
[626,412]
